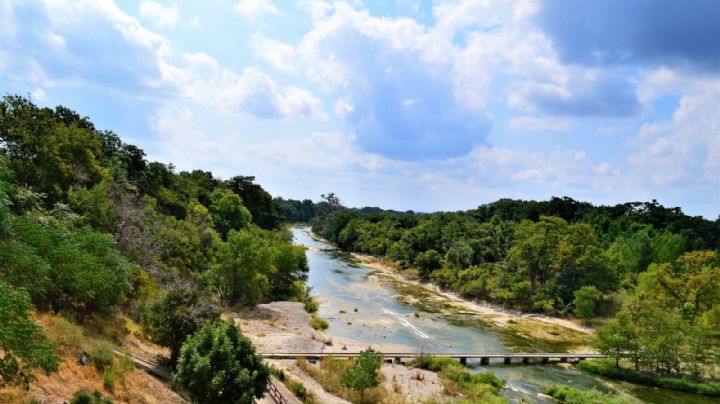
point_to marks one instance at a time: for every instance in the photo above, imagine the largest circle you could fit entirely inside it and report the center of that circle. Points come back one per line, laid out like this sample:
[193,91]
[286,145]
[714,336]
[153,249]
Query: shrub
[109,377]
[572,395]
[102,355]
[603,368]
[218,364]
[319,323]
[65,334]
[457,379]
[83,397]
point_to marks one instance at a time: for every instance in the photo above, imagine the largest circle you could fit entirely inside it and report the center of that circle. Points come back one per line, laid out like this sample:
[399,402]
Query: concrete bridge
[483,358]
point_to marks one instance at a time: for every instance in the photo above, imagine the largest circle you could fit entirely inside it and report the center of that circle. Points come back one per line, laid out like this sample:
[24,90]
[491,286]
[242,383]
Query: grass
[297,388]
[571,395]
[481,387]
[319,323]
[607,369]
[330,371]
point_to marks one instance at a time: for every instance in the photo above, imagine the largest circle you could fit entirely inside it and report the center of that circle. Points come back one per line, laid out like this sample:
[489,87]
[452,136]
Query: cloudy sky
[425,105]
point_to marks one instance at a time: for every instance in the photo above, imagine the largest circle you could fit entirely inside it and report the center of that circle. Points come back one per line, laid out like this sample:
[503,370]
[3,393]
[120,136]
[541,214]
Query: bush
[102,355]
[218,364]
[572,395]
[318,323]
[457,379]
[83,397]
[109,377]
[65,334]
[603,368]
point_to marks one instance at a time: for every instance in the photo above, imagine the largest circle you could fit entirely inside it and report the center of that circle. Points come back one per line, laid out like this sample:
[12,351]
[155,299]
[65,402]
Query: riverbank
[284,327]
[498,315]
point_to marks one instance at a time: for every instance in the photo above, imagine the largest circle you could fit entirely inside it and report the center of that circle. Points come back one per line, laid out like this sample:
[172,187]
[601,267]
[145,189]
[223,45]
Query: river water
[365,307]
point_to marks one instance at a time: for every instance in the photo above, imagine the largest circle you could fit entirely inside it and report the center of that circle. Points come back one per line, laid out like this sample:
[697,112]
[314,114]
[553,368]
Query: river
[364,306]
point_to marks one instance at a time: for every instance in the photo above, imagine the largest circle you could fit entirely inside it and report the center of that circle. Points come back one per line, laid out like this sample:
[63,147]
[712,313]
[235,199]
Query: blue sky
[424,105]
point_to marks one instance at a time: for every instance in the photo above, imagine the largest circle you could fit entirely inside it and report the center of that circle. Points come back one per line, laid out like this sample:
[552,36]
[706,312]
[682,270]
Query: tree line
[652,270]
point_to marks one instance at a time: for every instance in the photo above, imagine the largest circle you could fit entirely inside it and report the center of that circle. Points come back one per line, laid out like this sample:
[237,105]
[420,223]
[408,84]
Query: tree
[364,373]
[228,211]
[22,343]
[427,262]
[219,365]
[243,268]
[618,338]
[177,315]
[586,301]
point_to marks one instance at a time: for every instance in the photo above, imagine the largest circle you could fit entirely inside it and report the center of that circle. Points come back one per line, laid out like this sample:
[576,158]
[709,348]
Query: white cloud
[38,94]
[683,152]
[202,79]
[255,8]
[540,124]
[160,15]
[279,54]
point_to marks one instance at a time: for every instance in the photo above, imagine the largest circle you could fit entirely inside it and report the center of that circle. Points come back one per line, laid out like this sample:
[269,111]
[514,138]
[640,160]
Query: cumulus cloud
[580,93]
[398,93]
[646,32]
[160,15]
[255,8]
[81,42]
[684,151]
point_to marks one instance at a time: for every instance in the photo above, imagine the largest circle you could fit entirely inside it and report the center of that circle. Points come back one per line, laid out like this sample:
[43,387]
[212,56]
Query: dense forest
[89,226]
[653,269]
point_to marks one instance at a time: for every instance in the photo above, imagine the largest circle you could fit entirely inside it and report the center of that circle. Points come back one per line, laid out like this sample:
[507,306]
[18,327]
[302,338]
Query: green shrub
[570,395]
[65,334]
[319,323]
[83,397]
[457,379]
[102,355]
[109,377]
[606,369]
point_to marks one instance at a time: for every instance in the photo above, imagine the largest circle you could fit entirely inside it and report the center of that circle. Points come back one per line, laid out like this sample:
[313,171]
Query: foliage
[606,369]
[24,346]
[102,355]
[219,365]
[179,314]
[482,386]
[571,395]
[364,372]
[585,302]
[318,323]
[83,397]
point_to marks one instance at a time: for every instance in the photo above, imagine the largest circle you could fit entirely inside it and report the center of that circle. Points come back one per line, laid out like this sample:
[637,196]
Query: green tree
[180,313]
[243,268]
[364,372]
[219,365]
[619,338]
[427,262]
[586,301]
[228,211]
[22,343]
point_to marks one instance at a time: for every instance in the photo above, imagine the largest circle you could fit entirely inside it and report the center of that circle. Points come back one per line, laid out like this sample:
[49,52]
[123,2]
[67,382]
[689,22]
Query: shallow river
[365,307]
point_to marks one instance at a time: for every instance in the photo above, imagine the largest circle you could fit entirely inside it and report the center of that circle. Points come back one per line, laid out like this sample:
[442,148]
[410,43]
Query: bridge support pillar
[484,361]
[545,360]
[525,360]
[507,360]
[463,361]
[564,359]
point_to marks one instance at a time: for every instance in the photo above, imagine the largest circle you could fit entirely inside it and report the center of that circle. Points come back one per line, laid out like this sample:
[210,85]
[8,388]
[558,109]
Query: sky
[404,104]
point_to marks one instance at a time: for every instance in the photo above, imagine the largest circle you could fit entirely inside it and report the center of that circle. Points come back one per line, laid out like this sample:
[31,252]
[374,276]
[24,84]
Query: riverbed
[368,307]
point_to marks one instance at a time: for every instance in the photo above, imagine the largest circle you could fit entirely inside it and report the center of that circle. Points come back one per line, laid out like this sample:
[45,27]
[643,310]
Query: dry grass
[118,379]
[329,372]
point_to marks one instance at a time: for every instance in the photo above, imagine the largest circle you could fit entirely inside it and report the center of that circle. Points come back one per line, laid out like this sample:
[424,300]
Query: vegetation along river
[366,306]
